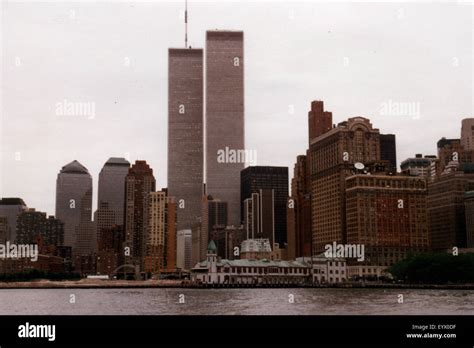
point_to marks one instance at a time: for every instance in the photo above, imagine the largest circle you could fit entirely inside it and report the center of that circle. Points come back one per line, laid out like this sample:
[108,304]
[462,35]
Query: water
[236,301]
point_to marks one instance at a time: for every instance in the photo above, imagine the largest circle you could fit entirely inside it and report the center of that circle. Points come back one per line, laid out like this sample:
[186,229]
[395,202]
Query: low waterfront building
[326,270]
[215,271]
[370,272]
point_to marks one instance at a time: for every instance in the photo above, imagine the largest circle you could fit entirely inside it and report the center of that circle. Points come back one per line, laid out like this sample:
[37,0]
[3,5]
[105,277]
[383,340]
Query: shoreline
[144,284]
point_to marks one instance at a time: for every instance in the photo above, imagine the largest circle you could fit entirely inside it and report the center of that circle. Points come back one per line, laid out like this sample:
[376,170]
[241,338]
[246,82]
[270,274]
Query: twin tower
[206,114]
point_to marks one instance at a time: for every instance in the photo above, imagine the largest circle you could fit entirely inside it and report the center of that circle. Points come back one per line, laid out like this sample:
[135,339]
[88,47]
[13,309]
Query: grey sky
[353,56]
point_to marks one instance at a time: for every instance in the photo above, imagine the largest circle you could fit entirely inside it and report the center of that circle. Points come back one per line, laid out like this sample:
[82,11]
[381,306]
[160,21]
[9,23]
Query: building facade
[319,120]
[299,210]
[333,158]
[215,271]
[111,194]
[419,166]
[388,151]
[34,226]
[225,117]
[446,210]
[161,233]
[266,179]
[469,212]
[184,250]
[74,207]
[214,219]
[388,215]
[185,133]
[139,183]
[259,215]
[10,208]
[467,134]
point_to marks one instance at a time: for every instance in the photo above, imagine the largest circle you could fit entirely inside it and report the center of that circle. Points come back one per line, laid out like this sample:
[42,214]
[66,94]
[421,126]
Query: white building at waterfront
[249,272]
[319,270]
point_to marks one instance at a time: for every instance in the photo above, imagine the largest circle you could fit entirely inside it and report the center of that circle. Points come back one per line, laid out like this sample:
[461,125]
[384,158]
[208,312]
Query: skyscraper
[139,182]
[111,198]
[319,121]
[388,151]
[333,156]
[259,215]
[10,208]
[214,219]
[299,211]
[225,117]
[255,178]
[446,210]
[161,233]
[185,133]
[112,186]
[74,206]
[467,133]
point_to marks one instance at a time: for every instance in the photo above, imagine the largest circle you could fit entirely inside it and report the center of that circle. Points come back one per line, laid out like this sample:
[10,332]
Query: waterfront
[166,301]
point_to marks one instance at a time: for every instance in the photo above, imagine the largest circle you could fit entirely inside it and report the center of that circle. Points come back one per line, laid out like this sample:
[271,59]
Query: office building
[35,227]
[183,250]
[74,207]
[446,210]
[419,166]
[225,118]
[139,182]
[161,233]
[256,178]
[388,215]
[467,134]
[259,216]
[319,120]
[185,133]
[388,151]
[299,210]
[469,213]
[10,208]
[334,155]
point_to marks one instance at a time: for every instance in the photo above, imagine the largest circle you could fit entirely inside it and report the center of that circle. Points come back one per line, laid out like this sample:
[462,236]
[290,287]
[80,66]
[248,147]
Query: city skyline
[266,118]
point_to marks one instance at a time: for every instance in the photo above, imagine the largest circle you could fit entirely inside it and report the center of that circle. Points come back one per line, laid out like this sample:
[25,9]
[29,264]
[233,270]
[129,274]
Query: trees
[435,268]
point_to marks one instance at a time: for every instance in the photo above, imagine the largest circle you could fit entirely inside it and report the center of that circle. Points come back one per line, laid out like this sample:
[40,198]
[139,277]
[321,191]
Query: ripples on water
[236,301]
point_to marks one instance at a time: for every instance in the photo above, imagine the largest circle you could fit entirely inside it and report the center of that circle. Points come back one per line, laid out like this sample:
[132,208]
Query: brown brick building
[299,210]
[446,210]
[388,215]
[139,182]
[333,155]
[469,208]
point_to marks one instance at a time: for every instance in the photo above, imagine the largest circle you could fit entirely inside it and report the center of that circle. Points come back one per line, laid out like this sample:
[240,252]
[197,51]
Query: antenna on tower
[186,24]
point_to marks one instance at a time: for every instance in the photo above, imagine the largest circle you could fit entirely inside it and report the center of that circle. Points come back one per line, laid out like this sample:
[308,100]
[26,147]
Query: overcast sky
[359,58]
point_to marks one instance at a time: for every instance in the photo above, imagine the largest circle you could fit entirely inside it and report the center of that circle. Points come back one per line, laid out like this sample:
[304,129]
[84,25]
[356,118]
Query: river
[299,301]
